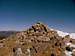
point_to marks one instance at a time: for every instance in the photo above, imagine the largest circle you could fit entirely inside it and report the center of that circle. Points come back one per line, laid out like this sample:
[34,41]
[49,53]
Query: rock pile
[42,41]
[38,40]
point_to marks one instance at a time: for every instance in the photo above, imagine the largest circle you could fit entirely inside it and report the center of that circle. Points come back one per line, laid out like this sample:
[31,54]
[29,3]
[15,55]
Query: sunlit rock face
[38,40]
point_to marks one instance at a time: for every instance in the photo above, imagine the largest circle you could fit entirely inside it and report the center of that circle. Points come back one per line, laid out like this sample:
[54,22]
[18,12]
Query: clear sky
[20,14]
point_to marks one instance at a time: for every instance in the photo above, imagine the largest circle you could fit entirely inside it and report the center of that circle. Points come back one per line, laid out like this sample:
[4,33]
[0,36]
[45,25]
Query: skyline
[21,14]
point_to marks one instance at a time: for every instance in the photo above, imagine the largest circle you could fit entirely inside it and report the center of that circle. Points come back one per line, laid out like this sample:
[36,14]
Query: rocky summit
[38,40]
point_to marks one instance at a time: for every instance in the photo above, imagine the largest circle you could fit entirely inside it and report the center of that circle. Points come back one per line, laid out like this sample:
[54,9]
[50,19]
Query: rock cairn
[38,40]
[42,41]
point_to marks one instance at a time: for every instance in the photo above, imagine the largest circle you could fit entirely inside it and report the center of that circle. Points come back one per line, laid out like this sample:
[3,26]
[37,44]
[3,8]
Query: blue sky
[20,14]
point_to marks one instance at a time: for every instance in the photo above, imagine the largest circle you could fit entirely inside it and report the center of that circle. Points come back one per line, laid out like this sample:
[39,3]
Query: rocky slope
[38,40]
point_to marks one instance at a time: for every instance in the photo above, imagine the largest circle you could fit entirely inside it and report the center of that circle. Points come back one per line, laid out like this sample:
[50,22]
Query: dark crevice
[52,54]
[13,50]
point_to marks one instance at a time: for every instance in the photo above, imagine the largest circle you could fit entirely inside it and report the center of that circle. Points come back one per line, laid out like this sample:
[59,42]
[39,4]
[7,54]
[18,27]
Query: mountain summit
[40,27]
[38,40]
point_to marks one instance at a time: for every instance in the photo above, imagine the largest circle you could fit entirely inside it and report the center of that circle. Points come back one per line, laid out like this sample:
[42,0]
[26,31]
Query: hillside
[5,34]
